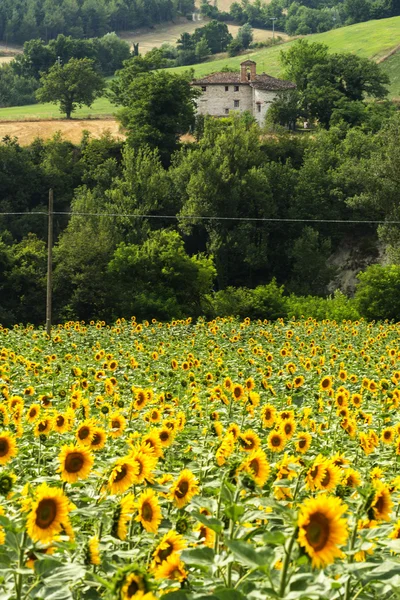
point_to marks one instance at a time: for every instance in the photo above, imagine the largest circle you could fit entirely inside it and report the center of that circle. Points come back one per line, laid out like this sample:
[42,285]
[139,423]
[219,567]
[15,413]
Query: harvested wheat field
[171,32]
[27,131]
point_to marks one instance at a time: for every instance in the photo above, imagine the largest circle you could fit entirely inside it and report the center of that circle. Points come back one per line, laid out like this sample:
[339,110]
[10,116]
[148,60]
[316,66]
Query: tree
[378,292]
[71,85]
[245,35]
[324,81]
[159,108]
[159,279]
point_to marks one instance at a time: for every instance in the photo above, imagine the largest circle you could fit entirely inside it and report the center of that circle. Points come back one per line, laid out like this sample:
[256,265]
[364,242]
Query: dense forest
[215,225]
[22,20]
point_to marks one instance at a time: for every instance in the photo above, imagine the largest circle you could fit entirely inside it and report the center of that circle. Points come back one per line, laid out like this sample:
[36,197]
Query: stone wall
[262,98]
[217,102]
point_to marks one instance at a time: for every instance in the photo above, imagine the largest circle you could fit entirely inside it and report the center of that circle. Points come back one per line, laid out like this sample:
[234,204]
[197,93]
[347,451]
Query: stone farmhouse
[244,91]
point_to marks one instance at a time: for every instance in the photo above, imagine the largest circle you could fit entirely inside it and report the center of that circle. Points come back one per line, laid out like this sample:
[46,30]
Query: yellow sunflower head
[322,530]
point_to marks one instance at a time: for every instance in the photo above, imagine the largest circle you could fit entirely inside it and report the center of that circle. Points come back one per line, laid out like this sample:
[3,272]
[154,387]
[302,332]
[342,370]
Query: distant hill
[372,39]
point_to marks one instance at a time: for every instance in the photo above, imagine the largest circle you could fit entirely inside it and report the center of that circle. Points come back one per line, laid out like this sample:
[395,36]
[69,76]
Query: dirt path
[27,131]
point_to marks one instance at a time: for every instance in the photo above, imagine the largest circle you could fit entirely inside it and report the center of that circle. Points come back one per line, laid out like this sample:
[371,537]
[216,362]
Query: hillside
[373,39]
[171,32]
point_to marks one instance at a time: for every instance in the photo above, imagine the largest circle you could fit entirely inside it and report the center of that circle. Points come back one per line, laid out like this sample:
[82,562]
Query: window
[227,88]
[236,103]
[226,111]
[259,107]
[203,88]
[236,88]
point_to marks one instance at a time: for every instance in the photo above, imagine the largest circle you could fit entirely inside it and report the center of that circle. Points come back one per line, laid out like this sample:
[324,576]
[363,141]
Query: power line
[203,218]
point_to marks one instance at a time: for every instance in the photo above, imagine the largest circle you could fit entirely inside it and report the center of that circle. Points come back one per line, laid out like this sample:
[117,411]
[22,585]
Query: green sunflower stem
[351,558]
[285,568]
[19,579]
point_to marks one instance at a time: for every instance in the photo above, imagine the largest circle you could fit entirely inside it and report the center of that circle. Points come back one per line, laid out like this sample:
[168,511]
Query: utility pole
[49,264]
[273,19]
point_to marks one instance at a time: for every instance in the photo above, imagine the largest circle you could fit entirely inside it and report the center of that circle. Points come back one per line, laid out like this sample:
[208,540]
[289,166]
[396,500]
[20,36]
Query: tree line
[27,19]
[164,228]
[302,17]
[20,79]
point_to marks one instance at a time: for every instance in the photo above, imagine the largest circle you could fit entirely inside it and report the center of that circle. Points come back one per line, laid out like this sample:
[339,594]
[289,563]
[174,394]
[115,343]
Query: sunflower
[43,427]
[149,511]
[135,586]
[93,553]
[206,535]
[381,506]
[8,448]
[33,413]
[387,436]
[171,568]
[122,475]
[322,529]
[351,478]
[288,427]
[249,441]
[48,514]
[331,478]
[298,381]
[268,414]
[145,464]
[75,463]
[99,439]
[237,391]
[395,533]
[326,383]
[61,423]
[256,465]
[117,423]
[225,449]
[234,429]
[166,437]
[170,543]
[84,433]
[140,399]
[276,441]
[122,516]
[316,473]
[151,444]
[185,487]
[303,442]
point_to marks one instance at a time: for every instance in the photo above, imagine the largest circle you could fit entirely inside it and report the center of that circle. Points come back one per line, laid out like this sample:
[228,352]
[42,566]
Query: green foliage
[263,302]
[336,307]
[311,272]
[108,53]
[14,89]
[332,83]
[159,108]
[23,276]
[378,292]
[71,85]
[28,19]
[159,278]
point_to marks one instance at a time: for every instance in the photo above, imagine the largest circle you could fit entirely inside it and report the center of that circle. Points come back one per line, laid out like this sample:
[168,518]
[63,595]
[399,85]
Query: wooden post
[49,264]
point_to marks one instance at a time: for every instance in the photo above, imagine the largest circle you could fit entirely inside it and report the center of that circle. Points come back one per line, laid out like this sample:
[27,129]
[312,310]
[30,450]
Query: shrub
[378,292]
[262,302]
[336,307]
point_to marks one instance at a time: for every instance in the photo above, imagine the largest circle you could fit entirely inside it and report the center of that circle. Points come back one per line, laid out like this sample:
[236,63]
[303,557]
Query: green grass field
[373,39]
[391,66]
[100,107]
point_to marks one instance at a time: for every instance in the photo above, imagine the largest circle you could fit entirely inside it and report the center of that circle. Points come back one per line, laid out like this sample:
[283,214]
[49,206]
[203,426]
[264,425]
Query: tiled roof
[261,82]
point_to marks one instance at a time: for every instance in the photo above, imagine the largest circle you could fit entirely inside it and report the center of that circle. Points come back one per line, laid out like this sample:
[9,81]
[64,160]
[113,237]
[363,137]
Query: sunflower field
[223,460]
